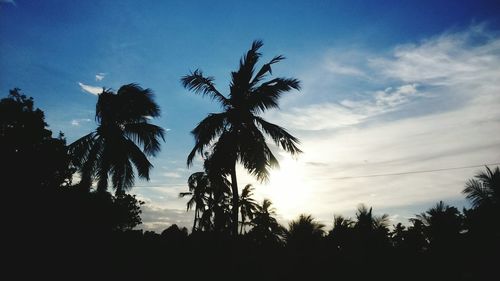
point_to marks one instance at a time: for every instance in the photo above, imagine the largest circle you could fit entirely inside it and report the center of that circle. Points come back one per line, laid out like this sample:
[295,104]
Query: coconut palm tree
[236,135]
[266,228]
[484,190]
[442,222]
[248,206]
[123,139]
[198,184]
[304,232]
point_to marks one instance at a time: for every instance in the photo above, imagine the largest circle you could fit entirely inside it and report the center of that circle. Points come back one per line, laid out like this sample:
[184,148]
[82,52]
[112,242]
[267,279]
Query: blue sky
[388,86]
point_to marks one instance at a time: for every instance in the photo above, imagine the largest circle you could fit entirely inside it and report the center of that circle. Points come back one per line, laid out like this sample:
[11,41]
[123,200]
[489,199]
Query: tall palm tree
[236,135]
[248,206]
[123,139]
[484,190]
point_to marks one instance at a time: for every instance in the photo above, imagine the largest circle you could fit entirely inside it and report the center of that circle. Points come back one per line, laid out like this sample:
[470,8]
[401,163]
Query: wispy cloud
[449,59]
[174,175]
[342,69]
[78,122]
[443,112]
[347,112]
[90,89]
[100,76]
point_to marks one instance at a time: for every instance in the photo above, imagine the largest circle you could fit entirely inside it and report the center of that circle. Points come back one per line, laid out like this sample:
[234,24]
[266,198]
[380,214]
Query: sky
[387,87]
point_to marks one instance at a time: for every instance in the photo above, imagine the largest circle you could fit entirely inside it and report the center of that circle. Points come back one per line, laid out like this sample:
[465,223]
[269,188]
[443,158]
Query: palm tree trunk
[234,187]
[195,219]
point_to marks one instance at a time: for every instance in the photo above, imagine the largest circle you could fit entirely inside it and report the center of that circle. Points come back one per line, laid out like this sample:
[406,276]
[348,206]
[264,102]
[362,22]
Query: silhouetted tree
[113,149]
[443,224]
[198,184]
[30,156]
[210,193]
[265,227]
[342,231]
[304,233]
[236,134]
[248,206]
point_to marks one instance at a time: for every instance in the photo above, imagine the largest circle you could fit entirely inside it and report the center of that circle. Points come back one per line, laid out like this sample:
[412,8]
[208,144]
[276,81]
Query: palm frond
[136,102]
[265,69]
[254,153]
[200,84]
[279,135]
[140,161]
[476,192]
[240,83]
[80,149]
[147,135]
[208,129]
[122,176]
[266,95]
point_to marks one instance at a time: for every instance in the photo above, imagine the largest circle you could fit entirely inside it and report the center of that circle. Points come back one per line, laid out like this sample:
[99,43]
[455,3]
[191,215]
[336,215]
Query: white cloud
[90,89]
[100,76]
[337,68]
[157,219]
[450,59]
[333,115]
[172,175]
[444,113]
[78,122]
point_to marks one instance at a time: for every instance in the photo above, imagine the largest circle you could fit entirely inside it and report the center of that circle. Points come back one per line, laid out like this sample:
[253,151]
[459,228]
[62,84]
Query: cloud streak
[443,112]
[78,122]
[90,89]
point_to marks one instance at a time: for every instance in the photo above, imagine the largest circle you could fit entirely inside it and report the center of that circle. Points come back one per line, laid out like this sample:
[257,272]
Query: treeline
[57,227]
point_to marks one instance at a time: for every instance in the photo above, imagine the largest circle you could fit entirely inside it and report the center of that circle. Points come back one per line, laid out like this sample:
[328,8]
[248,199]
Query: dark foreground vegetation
[59,227]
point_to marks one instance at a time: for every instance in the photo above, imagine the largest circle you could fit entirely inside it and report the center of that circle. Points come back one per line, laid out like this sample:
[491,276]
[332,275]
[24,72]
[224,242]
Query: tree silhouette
[304,233]
[443,224]
[248,206]
[266,229]
[30,156]
[210,195]
[113,149]
[198,184]
[236,134]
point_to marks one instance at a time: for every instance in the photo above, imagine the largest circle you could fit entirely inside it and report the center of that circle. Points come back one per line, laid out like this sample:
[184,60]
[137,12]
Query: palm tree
[236,135]
[265,226]
[123,139]
[198,184]
[210,193]
[442,222]
[248,206]
[304,232]
[484,190]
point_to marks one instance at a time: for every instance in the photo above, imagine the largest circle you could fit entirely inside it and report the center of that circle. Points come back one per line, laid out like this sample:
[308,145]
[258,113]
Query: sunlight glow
[287,188]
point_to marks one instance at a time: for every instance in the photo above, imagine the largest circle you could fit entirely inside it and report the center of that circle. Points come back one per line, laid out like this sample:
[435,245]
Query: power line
[361,176]
[412,172]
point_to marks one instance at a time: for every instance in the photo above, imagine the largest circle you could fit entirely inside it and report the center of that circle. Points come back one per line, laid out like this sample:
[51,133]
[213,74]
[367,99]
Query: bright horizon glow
[287,188]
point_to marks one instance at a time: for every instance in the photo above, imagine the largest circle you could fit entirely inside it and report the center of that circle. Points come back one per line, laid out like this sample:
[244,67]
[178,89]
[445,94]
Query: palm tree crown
[239,123]
[123,139]
[237,133]
[484,189]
